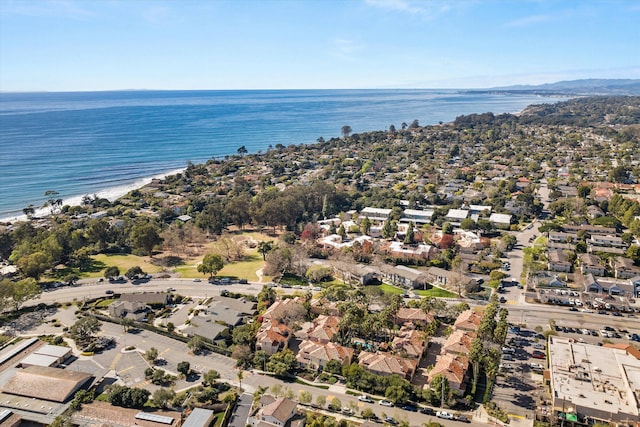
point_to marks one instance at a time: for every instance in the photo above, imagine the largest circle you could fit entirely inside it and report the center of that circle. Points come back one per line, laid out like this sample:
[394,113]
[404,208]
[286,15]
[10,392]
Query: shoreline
[112,194]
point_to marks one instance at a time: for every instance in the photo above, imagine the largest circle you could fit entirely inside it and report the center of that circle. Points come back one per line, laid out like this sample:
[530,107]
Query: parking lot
[519,382]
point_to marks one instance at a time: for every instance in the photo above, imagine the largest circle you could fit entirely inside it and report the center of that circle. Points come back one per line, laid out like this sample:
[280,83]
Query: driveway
[241,411]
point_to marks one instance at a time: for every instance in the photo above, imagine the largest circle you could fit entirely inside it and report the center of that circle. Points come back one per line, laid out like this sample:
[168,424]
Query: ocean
[108,143]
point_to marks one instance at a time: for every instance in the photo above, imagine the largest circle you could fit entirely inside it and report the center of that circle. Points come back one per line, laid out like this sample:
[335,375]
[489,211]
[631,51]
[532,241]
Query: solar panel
[153,417]
[4,414]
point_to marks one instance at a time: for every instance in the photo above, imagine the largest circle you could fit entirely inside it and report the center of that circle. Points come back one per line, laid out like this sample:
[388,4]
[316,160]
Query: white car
[364,398]
[444,415]
[385,403]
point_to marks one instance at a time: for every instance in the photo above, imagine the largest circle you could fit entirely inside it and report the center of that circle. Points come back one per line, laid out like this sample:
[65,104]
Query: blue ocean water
[108,142]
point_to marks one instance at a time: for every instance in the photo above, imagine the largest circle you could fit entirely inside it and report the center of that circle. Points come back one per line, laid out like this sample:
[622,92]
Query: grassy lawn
[245,269]
[388,289]
[105,302]
[436,293]
[124,262]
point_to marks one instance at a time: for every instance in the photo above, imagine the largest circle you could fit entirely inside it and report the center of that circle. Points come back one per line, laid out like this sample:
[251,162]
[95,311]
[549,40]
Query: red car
[538,355]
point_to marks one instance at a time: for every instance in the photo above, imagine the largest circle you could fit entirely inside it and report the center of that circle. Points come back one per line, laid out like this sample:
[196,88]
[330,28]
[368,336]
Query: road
[91,289]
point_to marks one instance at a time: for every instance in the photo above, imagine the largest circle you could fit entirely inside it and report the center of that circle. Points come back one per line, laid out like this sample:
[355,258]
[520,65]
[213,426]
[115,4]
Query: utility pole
[442,395]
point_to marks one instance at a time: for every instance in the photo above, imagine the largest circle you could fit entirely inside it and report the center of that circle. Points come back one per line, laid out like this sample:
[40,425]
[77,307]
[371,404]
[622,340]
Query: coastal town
[483,271]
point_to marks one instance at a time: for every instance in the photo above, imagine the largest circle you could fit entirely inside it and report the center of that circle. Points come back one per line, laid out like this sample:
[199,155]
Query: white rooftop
[588,377]
[500,218]
[458,214]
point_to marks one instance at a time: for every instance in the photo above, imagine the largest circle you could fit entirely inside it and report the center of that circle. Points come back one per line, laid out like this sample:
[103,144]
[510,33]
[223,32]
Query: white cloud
[423,8]
[345,49]
[57,8]
[531,20]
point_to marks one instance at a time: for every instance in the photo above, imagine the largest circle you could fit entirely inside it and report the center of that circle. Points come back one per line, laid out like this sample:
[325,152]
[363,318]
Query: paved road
[241,411]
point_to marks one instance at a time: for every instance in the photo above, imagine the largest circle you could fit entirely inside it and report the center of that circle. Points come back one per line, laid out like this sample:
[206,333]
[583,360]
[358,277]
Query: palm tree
[240,376]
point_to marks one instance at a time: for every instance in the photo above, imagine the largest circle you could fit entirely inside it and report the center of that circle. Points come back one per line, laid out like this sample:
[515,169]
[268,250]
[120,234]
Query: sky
[86,45]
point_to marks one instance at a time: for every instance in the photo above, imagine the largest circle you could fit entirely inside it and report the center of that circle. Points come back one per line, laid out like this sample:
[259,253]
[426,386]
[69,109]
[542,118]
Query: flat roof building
[592,383]
[42,382]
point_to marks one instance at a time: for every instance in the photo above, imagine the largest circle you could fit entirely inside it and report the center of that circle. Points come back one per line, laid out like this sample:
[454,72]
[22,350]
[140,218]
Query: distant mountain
[577,87]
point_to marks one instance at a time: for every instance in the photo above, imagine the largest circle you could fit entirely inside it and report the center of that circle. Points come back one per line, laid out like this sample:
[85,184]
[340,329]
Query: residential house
[375,215]
[417,216]
[594,212]
[387,364]
[634,284]
[273,336]
[558,261]
[409,343]
[283,308]
[624,268]
[607,241]
[316,355]
[480,209]
[468,320]
[454,367]
[133,310]
[273,411]
[557,283]
[360,273]
[416,316]
[151,298]
[418,252]
[204,328]
[591,264]
[455,216]
[321,330]
[324,306]
[501,220]
[602,286]
[560,237]
[590,229]
[402,276]
[459,342]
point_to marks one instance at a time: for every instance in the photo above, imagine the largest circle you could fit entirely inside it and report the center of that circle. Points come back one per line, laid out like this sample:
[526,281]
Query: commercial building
[594,384]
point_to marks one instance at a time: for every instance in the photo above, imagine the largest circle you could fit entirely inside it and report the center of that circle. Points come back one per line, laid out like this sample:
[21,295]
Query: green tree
[304,397]
[468,224]
[211,264]
[282,363]
[365,225]
[441,389]
[151,355]
[84,329]
[409,238]
[111,272]
[144,237]
[242,150]
[397,394]
[127,323]
[127,397]
[163,396]
[184,368]
[264,248]
[345,131]
[16,293]
[134,272]
[209,378]
[195,344]
[34,265]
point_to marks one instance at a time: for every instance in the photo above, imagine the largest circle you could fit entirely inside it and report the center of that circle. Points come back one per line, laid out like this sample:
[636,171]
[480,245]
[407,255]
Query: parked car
[538,355]
[196,280]
[538,346]
[108,292]
[409,407]
[427,411]
[385,403]
[444,415]
[390,420]
[364,398]
[462,419]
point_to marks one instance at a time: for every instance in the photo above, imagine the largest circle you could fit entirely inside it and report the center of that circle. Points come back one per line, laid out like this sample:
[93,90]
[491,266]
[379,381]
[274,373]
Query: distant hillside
[577,87]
